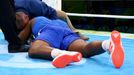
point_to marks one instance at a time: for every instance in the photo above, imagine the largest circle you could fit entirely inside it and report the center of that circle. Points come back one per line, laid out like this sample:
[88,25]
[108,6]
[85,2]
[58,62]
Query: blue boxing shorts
[57,37]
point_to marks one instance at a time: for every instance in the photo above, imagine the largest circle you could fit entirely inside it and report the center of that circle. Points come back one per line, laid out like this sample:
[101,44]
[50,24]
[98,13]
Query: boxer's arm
[25,33]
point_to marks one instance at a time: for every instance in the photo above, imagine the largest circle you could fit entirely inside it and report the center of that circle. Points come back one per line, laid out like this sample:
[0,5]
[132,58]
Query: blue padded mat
[21,64]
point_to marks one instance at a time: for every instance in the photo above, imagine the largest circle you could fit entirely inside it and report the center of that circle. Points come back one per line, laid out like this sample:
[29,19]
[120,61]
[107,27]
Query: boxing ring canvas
[21,64]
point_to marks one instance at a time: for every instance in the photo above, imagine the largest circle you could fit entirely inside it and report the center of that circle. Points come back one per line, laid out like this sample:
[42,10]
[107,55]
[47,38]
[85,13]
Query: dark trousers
[7,21]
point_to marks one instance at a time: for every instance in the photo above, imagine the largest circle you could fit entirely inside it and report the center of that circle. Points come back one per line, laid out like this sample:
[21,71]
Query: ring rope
[100,15]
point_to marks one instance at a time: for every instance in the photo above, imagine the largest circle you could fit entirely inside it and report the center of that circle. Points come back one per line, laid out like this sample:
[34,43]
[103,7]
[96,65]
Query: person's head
[22,20]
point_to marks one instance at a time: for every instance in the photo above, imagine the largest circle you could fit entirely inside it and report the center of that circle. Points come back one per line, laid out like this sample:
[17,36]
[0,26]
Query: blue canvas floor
[21,64]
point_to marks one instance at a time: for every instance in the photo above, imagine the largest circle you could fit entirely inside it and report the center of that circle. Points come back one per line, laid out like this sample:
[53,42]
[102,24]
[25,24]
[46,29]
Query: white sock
[106,44]
[56,52]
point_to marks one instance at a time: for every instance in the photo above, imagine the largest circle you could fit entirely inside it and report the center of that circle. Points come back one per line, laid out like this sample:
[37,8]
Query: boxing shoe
[116,49]
[65,58]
